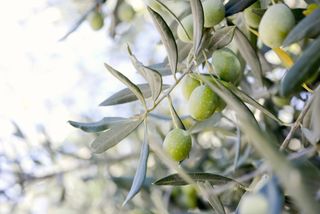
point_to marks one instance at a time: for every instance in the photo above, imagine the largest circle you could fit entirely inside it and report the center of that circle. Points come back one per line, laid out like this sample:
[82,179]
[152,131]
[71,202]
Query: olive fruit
[125,12]
[252,19]
[226,65]
[96,20]
[213,11]
[177,144]
[253,203]
[202,102]
[275,24]
[188,85]
[187,23]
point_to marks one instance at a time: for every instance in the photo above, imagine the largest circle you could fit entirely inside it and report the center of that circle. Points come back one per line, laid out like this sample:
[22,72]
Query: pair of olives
[274,25]
[203,102]
[214,13]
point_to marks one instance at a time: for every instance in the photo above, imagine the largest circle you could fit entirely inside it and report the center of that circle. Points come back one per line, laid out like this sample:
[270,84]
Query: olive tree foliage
[244,156]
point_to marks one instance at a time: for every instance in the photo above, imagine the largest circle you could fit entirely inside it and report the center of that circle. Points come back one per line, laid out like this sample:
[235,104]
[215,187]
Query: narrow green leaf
[212,198]
[100,125]
[153,78]
[126,95]
[214,179]
[247,99]
[223,37]
[306,66]
[127,82]
[175,117]
[167,39]
[237,148]
[205,124]
[249,54]
[163,68]
[141,171]
[236,6]
[114,135]
[198,23]
[171,14]
[308,27]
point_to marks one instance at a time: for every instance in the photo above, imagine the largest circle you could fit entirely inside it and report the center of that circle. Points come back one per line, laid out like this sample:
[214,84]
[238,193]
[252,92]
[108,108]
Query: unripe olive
[221,105]
[202,102]
[187,23]
[213,11]
[125,12]
[96,20]
[275,24]
[253,204]
[251,18]
[189,196]
[188,85]
[177,144]
[226,65]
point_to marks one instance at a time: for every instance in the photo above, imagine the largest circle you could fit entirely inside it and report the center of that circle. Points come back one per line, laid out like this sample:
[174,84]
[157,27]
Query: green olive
[125,12]
[202,102]
[226,65]
[253,203]
[275,24]
[213,11]
[188,85]
[187,23]
[252,19]
[189,196]
[280,101]
[177,144]
[96,20]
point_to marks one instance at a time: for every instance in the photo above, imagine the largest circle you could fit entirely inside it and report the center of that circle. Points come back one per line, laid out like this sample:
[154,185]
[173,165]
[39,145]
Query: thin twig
[296,125]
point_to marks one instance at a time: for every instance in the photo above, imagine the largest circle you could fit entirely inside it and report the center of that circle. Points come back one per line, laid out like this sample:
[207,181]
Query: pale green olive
[187,23]
[275,24]
[226,65]
[202,102]
[253,203]
[188,85]
[178,144]
[125,12]
[213,11]
[252,19]
[96,20]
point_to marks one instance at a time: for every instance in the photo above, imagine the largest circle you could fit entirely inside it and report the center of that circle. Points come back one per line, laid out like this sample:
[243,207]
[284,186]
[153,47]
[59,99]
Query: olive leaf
[236,6]
[198,23]
[175,117]
[237,149]
[214,179]
[98,126]
[306,28]
[153,78]
[212,198]
[162,68]
[126,95]
[306,66]
[115,134]
[141,171]
[128,83]
[167,39]
[249,54]
[223,37]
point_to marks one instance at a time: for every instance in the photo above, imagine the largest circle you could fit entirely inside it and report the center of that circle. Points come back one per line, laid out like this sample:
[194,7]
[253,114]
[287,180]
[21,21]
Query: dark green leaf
[114,135]
[153,78]
[141,171]
[308,27]
[236,6]
[306,66]
[175,117]
[98,126]
[167,39]
[198,23]
[205,124]
[127,82]
[213,179]
[126,95]
[249,54]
